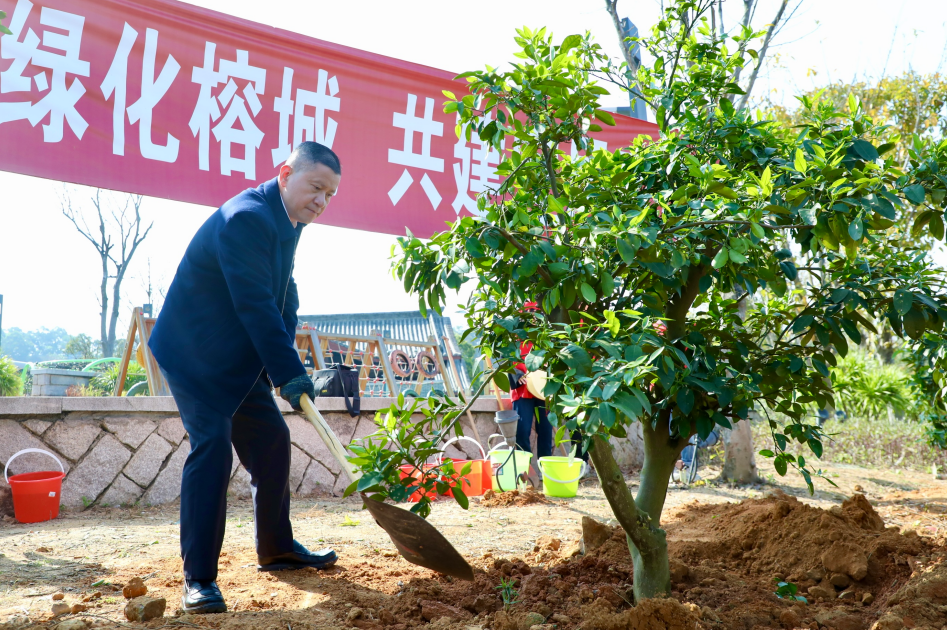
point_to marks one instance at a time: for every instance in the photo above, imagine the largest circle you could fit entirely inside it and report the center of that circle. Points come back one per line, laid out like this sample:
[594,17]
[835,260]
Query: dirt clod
[58,596]
[134,588]
[60,608]
[145,608]
[432,610]
[594,534]
[847,558]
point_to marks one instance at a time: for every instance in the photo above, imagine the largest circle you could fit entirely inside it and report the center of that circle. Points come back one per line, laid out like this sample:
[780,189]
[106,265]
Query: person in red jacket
[531,410]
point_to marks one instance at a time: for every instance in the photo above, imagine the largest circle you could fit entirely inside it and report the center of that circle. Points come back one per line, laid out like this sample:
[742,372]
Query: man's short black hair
[308,154]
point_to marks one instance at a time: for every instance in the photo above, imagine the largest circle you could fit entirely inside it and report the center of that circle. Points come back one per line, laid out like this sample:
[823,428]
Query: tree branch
[522,249]
[762,54]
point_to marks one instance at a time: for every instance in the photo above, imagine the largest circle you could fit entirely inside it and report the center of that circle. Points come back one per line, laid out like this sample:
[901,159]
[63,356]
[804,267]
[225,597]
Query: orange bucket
[486,474]
[36,495]
[470,483]
[481,468]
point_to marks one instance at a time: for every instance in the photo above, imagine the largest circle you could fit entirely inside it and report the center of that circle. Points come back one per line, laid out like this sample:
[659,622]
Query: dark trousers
[533,411]
[261,438]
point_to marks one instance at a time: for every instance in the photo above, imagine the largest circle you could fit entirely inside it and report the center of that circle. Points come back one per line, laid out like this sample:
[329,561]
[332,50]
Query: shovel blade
[418,541]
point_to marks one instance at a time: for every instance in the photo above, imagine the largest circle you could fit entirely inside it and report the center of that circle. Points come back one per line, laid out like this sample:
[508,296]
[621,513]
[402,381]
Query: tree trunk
[640,516]
[739,465]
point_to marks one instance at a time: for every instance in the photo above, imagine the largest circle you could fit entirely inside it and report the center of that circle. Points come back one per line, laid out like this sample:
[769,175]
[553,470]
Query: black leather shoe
[201,597]
[299,558]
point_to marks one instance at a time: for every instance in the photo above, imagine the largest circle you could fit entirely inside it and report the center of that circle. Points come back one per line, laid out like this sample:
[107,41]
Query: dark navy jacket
[230,314]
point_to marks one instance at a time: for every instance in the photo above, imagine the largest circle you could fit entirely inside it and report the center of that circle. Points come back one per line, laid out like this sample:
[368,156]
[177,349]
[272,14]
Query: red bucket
[36,495]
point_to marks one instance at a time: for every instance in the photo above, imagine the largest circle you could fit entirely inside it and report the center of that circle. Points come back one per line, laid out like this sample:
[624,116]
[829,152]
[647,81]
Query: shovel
[417,541]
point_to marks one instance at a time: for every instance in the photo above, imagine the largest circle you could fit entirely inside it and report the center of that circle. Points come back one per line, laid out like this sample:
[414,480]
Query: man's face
[307,192]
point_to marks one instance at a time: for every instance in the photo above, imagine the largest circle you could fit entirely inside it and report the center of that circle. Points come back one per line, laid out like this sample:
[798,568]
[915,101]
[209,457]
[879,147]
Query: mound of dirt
[512,498]
[726,560]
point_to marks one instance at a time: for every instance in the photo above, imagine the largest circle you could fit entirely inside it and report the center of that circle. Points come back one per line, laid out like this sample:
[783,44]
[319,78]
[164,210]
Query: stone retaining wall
[122,451]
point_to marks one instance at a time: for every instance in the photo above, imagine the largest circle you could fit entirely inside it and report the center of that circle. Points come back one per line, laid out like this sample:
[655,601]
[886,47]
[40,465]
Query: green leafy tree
[684,280]
[81,346]
[43,344]
[10,382]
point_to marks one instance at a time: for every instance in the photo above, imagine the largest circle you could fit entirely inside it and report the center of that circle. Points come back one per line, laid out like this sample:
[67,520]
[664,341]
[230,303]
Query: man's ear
[284,172]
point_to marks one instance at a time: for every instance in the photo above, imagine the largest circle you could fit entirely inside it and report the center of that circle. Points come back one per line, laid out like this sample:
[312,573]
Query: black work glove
[292,390]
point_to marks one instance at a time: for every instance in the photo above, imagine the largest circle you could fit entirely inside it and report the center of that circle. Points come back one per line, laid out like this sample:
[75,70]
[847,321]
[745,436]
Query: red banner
[165,99]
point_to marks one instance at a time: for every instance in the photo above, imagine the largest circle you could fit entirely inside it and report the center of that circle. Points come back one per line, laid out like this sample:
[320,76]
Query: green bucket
[561,475]
[504,478]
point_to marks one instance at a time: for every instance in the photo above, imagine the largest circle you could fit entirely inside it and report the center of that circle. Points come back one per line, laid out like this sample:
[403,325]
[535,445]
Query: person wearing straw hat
[529,403]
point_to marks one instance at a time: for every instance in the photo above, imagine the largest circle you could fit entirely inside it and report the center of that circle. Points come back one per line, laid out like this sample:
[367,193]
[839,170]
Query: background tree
[635,258]
[785,11]
[81,346]
[911,106]
[116,235]
[43,344]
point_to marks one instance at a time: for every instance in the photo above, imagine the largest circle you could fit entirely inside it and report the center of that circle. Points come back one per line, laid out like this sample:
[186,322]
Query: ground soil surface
[869,553]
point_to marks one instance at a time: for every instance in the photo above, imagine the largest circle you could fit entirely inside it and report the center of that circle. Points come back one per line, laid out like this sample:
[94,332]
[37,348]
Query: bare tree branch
[762,53]
[115,252]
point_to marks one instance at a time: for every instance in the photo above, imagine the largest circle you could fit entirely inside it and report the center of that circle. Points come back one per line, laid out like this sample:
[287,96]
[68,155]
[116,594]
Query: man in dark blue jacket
[224,338]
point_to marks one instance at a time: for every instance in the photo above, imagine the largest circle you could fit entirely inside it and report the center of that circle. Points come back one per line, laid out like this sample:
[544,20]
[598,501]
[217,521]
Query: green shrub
[104,383]
[10,383]
[866,387]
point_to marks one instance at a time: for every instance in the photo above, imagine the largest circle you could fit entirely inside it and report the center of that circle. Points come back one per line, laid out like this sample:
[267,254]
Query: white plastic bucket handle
[499,435]
[545,474]
[30,450]
[483,455]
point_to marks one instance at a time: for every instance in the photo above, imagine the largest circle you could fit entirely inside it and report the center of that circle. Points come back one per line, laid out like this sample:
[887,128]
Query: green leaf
[474,247]
[815,446]
[534,360]
[915,194]
[625,250]
[577,359]
[460,497]
[685,400]
[605,117]
[570,42]
[608,284]
[808,216]
[628,404]
[800,162]
[902,301]
[936,226]
[721,258]
[780,465]
[554,204]
[856,228]
[737,257]
[865,150]
[915,324]
[705,424]
[587,292]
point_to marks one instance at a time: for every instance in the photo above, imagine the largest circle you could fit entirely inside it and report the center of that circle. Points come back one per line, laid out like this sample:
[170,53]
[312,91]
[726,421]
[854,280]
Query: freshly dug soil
[726,560]
[512,498]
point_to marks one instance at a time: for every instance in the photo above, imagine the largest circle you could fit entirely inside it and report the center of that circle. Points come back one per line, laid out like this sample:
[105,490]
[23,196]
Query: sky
[49,275]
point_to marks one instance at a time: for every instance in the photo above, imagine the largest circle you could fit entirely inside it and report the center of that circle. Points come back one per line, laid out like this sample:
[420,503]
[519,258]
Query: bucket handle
[495,435]
[581,472]
[30,450]
[463,437]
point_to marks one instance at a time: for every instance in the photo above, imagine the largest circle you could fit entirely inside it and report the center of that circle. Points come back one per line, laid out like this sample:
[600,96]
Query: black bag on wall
[339,381]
